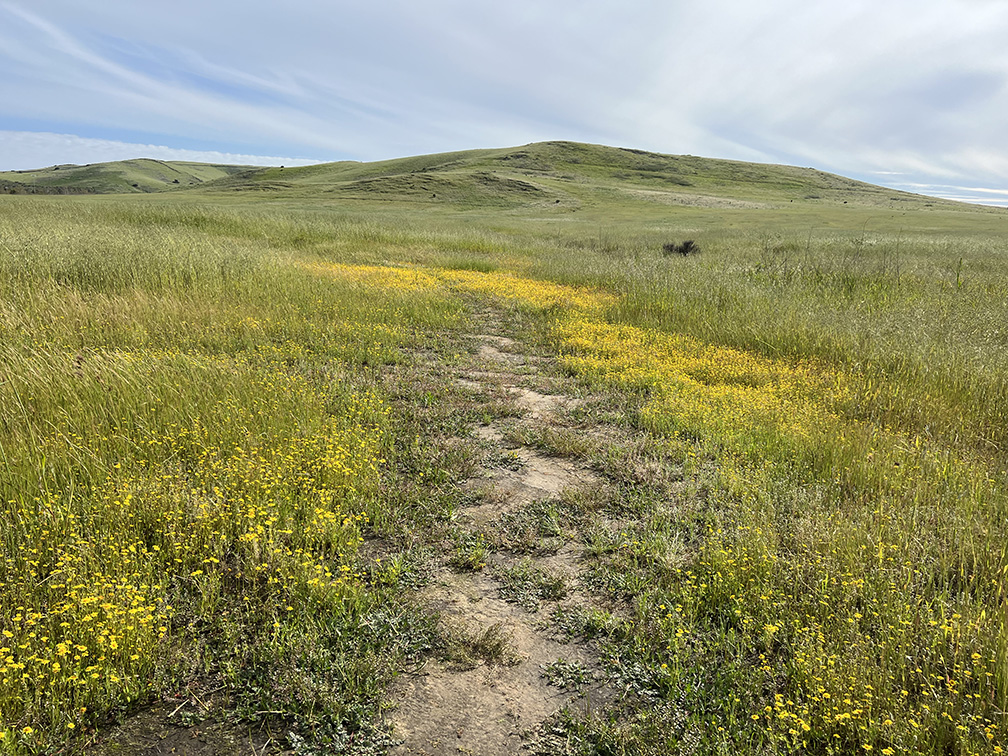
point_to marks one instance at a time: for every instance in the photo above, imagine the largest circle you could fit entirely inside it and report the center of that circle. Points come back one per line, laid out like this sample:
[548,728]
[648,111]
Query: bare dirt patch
[489,352]
[490,433]
[160,730]
[495,706]
[489,709]
[538,405]
[536,477]
[689,200]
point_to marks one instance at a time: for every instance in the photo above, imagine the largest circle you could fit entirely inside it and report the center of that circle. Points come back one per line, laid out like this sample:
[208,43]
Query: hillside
[565,174]
[122,176]
[569,174]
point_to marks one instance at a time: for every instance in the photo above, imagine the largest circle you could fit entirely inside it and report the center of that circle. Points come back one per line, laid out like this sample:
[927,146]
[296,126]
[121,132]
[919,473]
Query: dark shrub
[688,247]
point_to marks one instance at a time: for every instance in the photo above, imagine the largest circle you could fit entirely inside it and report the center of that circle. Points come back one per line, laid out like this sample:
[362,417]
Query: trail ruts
[494,706]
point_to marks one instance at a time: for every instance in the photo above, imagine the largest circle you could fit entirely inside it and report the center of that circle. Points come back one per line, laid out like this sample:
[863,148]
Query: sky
[911,94]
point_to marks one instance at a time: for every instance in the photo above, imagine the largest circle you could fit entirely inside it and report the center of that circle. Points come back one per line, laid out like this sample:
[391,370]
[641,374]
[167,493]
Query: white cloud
[22,150]
[977,195]
[910,86]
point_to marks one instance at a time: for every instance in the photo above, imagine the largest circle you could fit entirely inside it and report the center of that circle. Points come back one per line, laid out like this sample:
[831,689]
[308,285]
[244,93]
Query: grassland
[219,405]
[121,176]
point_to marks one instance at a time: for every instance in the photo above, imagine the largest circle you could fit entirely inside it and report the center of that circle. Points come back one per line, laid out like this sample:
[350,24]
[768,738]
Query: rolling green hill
[141,175]
[571,175]
[565,174]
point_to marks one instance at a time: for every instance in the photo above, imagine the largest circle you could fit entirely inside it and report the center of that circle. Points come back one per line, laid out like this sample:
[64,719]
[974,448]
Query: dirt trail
[488,709]
[513,668]
[494,708]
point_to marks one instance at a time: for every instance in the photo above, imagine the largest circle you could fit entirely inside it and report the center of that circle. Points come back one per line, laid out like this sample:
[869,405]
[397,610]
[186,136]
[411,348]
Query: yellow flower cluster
[502,285]
[233,498]
[701,389]
[381,276]
[527,292]
[871,654]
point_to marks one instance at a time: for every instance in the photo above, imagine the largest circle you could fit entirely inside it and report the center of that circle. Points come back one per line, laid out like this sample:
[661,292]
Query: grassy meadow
[214,403]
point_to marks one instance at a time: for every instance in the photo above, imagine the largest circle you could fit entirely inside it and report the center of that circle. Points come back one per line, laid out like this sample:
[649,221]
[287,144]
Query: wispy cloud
[977,195]
[915,87]
[24,150]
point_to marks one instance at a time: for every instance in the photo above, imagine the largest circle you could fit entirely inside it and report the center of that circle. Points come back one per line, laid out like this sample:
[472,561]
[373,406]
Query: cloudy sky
[907,93]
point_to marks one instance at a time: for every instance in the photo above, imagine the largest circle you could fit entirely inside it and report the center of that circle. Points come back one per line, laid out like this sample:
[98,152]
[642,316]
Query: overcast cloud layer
[907,93]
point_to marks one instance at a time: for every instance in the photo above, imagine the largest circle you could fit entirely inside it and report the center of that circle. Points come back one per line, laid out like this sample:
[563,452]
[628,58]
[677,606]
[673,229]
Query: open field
[299,459]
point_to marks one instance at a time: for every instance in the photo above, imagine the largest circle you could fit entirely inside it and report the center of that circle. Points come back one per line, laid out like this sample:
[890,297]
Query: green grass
[205,424]
[121,176]
[576,174]
[193,443]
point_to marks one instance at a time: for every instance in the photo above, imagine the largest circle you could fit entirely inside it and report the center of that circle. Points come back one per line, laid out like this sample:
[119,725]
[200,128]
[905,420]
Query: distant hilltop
[119,177]
[562,174]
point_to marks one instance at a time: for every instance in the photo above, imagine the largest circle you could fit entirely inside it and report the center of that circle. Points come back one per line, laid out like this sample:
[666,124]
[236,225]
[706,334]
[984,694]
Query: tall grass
[848,590]
[926,338]
[195,438]
[192,443]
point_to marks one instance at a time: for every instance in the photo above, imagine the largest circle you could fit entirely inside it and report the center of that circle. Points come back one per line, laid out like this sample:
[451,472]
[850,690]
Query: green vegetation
[233,449]
[142,175]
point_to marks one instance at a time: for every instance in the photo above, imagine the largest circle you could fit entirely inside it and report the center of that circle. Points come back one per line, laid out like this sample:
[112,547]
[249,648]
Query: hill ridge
[557,172]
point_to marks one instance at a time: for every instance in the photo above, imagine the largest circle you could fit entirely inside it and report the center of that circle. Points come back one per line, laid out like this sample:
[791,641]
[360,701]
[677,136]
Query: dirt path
[495,705]
[517,564]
